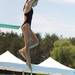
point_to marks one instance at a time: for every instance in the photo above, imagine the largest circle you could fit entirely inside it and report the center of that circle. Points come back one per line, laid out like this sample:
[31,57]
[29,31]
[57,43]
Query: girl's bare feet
[25,53]
[22,52]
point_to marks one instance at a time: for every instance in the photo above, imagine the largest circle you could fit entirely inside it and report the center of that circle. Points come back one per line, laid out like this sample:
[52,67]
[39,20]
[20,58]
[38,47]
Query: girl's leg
[25,51]
[34,40]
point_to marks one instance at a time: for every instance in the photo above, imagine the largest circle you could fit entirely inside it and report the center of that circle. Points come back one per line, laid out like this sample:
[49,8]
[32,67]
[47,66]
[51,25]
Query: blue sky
[50,16]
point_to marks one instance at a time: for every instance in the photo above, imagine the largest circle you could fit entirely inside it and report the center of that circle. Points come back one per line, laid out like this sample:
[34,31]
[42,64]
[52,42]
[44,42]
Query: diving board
[9,26]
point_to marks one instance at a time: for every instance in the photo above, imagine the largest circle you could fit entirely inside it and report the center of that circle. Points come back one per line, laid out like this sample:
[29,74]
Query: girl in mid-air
[30,38]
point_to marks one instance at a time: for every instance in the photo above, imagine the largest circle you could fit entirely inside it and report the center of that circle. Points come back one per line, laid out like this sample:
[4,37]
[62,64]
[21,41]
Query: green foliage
[41,74]
[10,41]
[45,46]
[64,52]
[13,42]
[72,41]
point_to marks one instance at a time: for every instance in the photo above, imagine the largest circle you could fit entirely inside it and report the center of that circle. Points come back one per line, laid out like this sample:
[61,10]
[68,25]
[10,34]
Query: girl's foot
[22,52]
[26,56]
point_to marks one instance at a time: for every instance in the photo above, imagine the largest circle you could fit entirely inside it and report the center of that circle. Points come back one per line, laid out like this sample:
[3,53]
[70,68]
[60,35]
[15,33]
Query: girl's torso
[29,16]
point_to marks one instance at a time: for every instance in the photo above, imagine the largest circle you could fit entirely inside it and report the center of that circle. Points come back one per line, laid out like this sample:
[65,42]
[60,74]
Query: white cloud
[41,24]
[70,1]
[56,1]
[63,1]
[44,25]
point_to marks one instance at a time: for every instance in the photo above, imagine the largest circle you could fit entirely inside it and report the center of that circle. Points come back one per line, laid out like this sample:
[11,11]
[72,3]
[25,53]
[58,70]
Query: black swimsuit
[29,17]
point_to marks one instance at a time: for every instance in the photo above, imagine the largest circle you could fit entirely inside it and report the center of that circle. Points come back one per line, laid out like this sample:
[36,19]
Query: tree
[64,52]
[10,41]
[72,41]
[42,51]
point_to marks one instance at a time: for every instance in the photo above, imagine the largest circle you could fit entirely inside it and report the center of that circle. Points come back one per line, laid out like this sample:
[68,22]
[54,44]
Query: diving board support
[22,73]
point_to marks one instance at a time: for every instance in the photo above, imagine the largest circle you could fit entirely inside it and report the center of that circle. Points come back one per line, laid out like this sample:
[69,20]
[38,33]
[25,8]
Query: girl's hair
[34,3]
